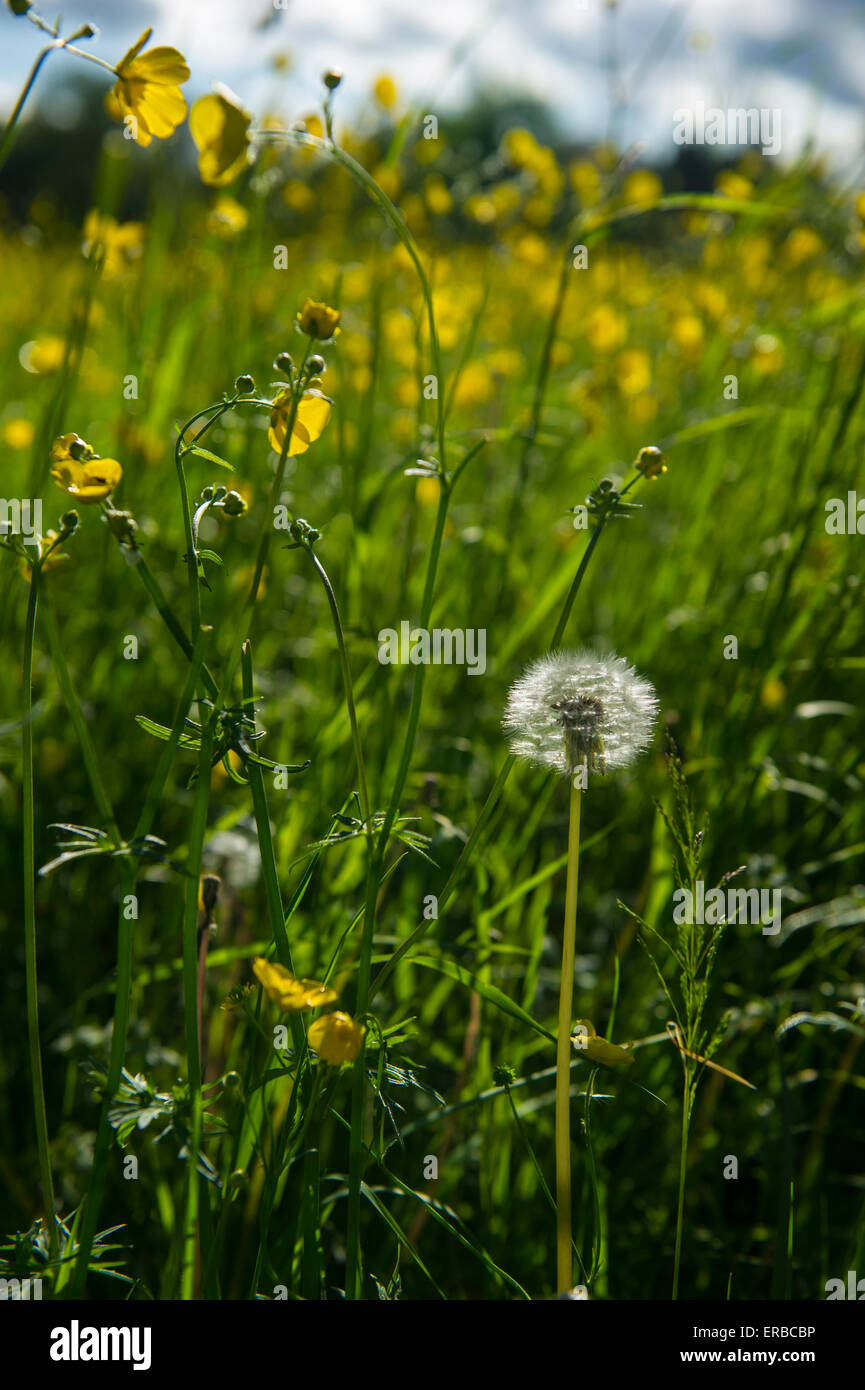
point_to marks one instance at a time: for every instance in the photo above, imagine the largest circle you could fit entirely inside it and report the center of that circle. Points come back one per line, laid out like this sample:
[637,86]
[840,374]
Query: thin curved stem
[564,1242]
[30,966]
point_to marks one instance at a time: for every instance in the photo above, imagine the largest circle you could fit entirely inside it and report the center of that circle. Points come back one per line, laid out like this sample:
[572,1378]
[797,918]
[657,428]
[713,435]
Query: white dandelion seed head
[573,707]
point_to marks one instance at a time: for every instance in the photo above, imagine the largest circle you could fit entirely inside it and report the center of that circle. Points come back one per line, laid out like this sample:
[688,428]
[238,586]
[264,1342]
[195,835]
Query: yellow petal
[336,1037]
[162,109]
[164,65]
[220,128]
[313,413]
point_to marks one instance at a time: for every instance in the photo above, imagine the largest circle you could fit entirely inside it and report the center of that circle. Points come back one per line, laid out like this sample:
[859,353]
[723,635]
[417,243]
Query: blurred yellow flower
[428,491]
[220,128]
[642,187]
[81,472]
[17,433]
[507,362]
[732,185]
[385,92]
[318,320]
[388,179]
[521,147]
[768,355]
[437,195]
[119,243]
[688,333]
[314,125]
[803,244]
[147,95]
[586,182]
[298,196]
[605,329]
[481,208]
[633,371]
[313,413]
[476,386]
[773,694]
[860,207]
[336,1037]
[227,217]
[288,993]
[43,355]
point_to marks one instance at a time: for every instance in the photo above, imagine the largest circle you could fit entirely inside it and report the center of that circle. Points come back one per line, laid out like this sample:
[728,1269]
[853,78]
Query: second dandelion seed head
[577,708]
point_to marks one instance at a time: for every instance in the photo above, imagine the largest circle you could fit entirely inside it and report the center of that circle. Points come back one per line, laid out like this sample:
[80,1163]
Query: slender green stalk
[30,966]
[366,808]
[244,624]
[564,1239]
[123,992]
[57,47]
[683,1167]
[163,609]
[73,708]
[197,829]
[353,1284]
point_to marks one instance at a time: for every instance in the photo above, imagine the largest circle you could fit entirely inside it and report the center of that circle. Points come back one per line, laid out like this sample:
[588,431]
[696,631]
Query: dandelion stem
[564,1257]
[683,1164]
[30,968]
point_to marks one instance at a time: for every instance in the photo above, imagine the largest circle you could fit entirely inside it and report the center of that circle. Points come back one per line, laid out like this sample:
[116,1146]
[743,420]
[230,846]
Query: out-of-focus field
[730,542]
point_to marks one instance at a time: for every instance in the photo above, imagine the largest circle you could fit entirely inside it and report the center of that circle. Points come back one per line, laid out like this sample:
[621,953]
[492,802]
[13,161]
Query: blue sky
[805,58]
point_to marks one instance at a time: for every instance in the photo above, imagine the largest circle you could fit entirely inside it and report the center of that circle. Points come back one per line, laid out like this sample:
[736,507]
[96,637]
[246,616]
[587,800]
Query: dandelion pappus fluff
[570,708]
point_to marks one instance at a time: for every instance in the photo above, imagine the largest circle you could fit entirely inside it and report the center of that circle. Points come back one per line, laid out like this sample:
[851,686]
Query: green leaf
[491,993]
[203,453]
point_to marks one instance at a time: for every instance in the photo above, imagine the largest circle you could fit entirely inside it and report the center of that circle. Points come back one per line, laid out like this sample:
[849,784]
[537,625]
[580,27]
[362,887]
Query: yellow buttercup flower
[80,471]
[220,128]
[119,243]
[227,217]
[318,320]
[18,433]
[633,371]
[729,184]
[313,413]
[147,95]
[336,1037]
[586,1041]
[386,93]
[642,188]
[43,355]
[286,991]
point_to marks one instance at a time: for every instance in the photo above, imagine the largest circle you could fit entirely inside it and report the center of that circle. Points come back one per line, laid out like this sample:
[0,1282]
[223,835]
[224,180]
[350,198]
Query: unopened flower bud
[233,504]
[331,79]
[244,385]
[316,364]
[650,461]
[284,362]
